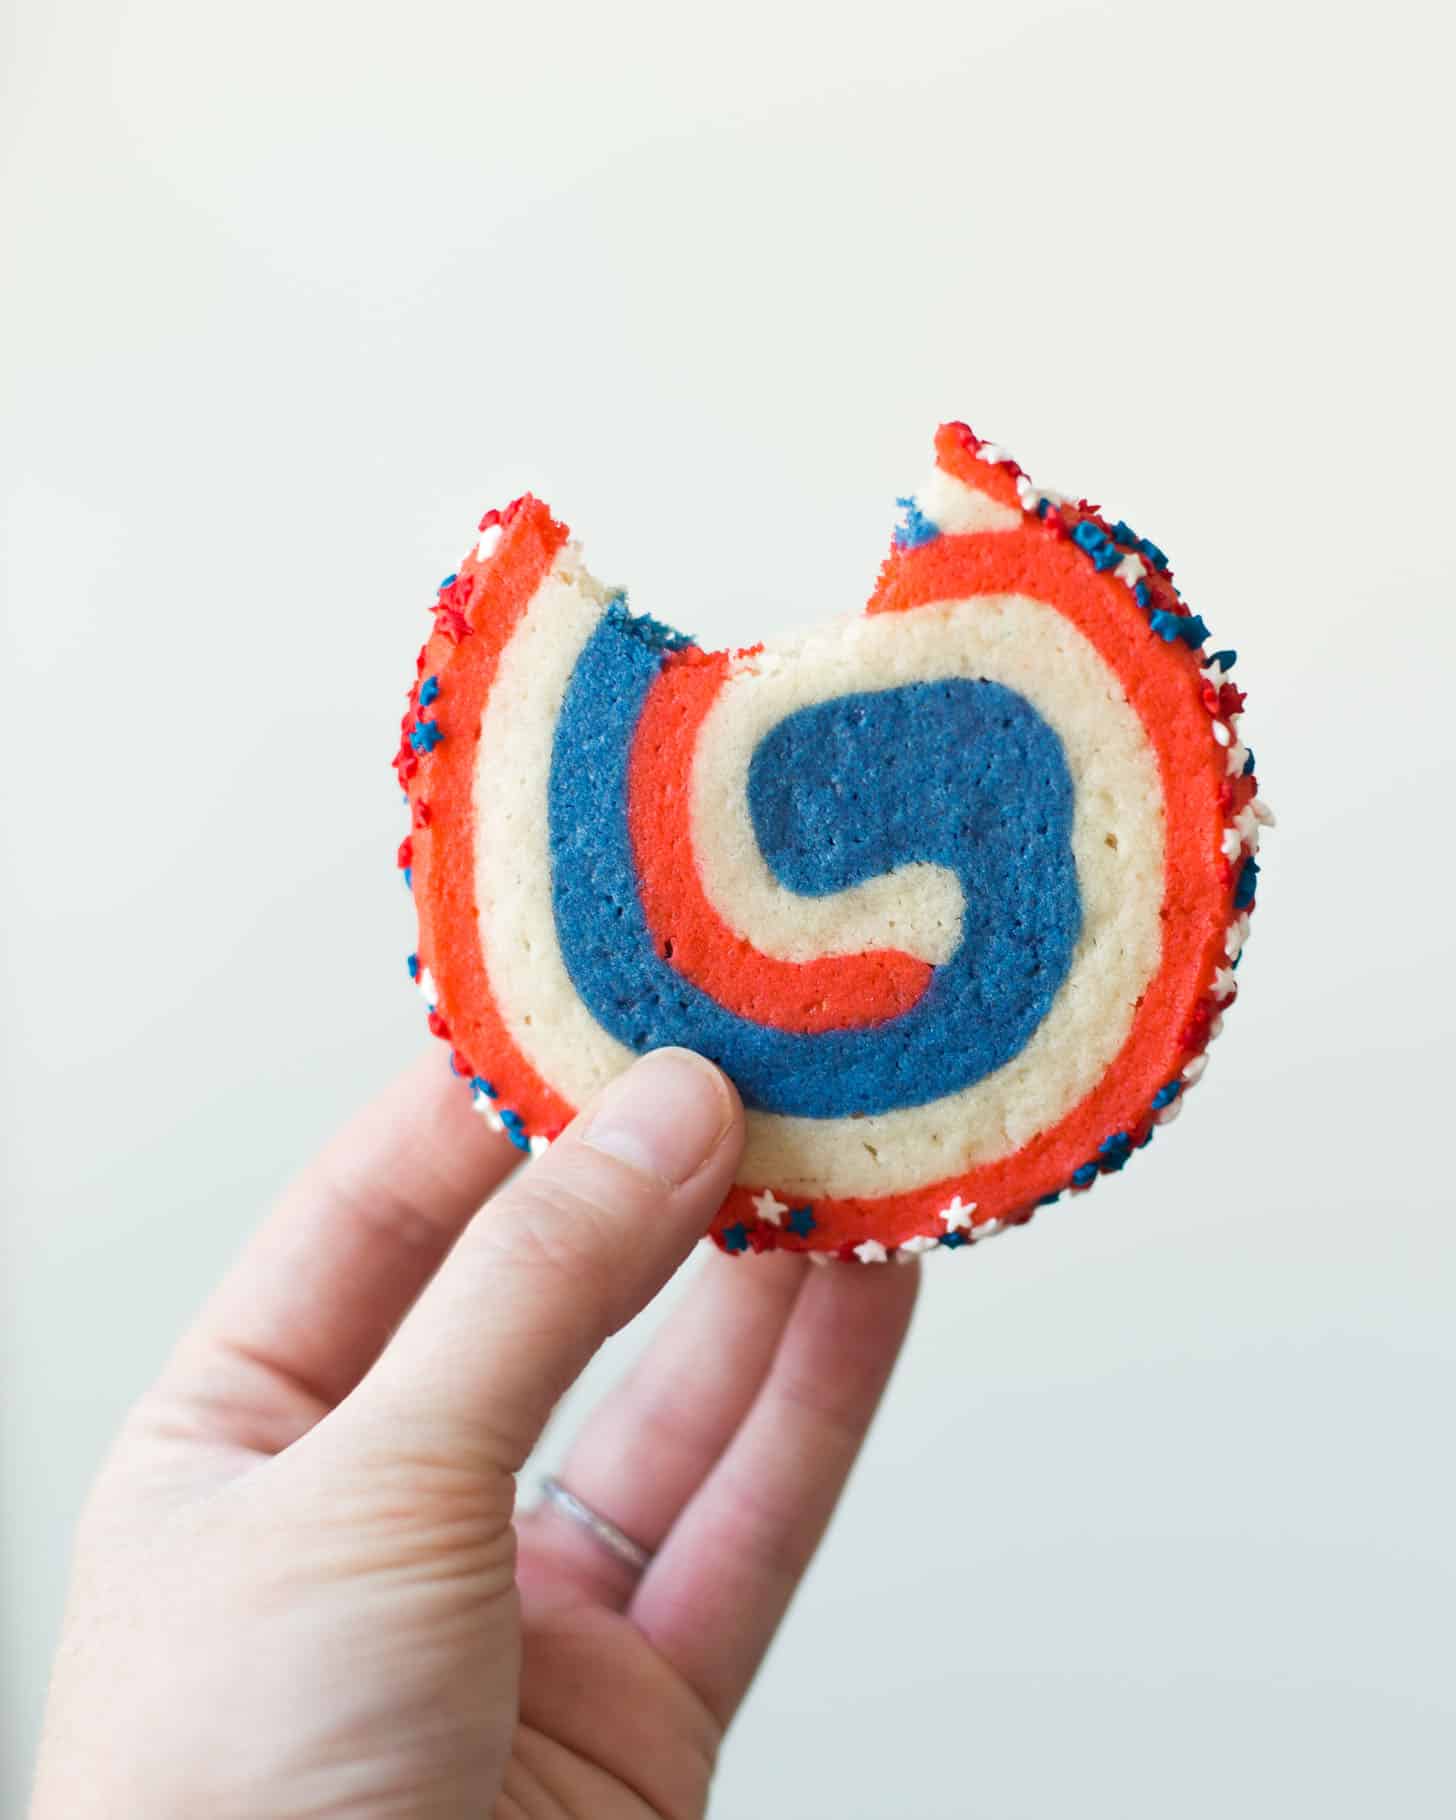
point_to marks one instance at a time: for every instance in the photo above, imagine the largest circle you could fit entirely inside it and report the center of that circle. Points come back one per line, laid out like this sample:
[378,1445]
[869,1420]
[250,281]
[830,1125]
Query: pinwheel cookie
[954,890]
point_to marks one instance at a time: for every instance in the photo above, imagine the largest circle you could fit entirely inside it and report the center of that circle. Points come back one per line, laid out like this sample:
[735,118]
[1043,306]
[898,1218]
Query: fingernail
[664,1116]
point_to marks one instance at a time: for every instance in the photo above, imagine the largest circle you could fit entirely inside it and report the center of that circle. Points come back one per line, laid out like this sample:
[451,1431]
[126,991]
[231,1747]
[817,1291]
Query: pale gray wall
[1158,1518]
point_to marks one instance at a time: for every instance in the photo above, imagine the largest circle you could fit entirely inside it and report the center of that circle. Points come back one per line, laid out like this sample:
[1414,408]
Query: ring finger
[657,1435]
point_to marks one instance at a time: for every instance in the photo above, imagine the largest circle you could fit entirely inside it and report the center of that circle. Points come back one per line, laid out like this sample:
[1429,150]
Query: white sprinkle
[486,548]
[1131,570]
[821,1257]
[1193,1073]
[990,451]
[1168,1113]
[1221,733]
[1238,757]
[1233,844]
[426,985]
[539,1145]
[921,1242]
[1224,983]
[1215,1029]
[871,1252]
[958,1214]
[989,1229]
[768,1209]
[1262,812]
[1237,935]
[488,1112]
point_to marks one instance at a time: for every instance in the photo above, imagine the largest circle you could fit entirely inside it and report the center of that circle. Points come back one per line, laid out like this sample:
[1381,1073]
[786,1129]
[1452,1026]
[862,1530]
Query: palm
[325,1479]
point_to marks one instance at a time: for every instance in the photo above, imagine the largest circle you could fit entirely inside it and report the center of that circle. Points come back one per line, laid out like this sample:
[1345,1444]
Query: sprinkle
[409,879]
[425,736]
[426,984]
[1124,534]
[920,1243]
[1114,1151]
[988,1229]
[958,1214]
[1130,570]
[1221,734]
[1166,1095]
[1249,764]
[1247,885]
[871,1252]
[1232,844]
[1224,659]
[405,854]
[1239,759]
[490,521]
[1085,1176]
[954,1240]
[735,1237]
[992,452]
[1167,1115]
[481,1088]
[1143,595]
[1050,1200]
[1154,555]
[412,961]
[429,691]
[1224,984]
[1261,812]
[540,1145]
[1194,1071]
[802,1221]
[438,1026]
[1089,536]
[448,582]
[768,1209]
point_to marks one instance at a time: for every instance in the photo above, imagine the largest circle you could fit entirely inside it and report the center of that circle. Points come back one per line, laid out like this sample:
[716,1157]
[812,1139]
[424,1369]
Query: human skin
[302,1586]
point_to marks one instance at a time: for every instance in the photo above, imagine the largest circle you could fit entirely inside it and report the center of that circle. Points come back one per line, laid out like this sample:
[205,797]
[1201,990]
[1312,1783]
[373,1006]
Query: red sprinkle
[438,1026]
[406,854]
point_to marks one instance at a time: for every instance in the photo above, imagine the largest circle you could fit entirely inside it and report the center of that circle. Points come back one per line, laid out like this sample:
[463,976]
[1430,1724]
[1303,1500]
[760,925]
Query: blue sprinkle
[1172,626]
[915,529]
[409,879]
[413,963]
[511,1120]
[1249,763]
[1248,884]
[1224,659]
[1050,1200]
[449,581]
[1154,555]
[1165,1096]
[1144,1142]
[1234,963]
[953,1240]
[425,735]
[1143,595]
[429,691]
[1043,506]
[735,1238]
[1098,545]
[519,1139]
[801,1220]
[480,1086]
[1114,1151]
[1085,1176]
[1124,534]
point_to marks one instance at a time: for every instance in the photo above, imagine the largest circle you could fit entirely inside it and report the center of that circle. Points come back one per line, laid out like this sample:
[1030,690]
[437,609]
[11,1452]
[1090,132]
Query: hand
[301,1586]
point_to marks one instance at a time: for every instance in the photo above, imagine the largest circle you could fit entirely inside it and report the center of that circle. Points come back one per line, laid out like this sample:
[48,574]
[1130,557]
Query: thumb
[568,1253]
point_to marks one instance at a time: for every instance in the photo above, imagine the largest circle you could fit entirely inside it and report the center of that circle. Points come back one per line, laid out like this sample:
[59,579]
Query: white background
[1158,1517]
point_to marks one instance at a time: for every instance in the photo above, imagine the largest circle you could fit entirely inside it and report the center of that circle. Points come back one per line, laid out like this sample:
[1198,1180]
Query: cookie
[954,891]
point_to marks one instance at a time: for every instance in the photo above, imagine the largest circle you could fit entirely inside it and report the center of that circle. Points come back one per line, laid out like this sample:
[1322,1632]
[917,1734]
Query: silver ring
[614,1540]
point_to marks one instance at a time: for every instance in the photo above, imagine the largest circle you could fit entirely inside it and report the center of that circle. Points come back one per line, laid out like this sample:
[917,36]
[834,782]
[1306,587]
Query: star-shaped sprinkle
[958,1214]
[735,1237]
[768,1209]
[921,1242]
[871,1252]
[801,1221]
[953,1240]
